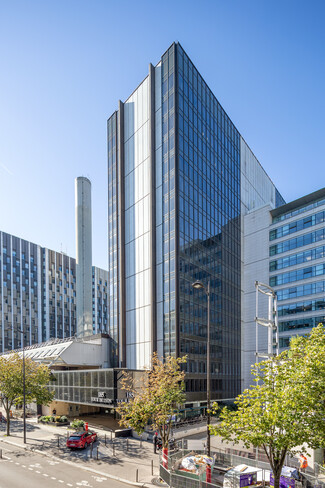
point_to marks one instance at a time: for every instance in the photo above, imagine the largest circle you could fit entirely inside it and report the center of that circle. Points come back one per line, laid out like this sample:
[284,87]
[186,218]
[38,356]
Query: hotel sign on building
[101,398]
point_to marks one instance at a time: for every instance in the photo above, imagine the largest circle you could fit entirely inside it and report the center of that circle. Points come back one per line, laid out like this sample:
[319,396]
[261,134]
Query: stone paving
[126,459]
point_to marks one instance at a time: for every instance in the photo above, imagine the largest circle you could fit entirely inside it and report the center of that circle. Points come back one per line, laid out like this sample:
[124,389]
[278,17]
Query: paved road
[31,470]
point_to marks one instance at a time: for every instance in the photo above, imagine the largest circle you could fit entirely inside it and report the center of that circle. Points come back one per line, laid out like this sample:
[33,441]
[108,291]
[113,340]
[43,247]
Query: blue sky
[65,64]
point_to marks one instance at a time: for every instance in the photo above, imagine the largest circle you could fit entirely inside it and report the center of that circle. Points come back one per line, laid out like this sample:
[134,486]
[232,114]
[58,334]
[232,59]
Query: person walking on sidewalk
[155,438]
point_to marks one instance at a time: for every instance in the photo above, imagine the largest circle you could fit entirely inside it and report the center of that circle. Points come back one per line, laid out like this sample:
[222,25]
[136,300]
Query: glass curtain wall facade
[209,233]
[174,160]
[112,236]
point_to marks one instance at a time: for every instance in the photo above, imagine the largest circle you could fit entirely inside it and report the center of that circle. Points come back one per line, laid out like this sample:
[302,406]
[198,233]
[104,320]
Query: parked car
[79,440]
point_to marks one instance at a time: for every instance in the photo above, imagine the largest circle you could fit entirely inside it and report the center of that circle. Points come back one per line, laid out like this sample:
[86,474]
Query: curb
[91,470]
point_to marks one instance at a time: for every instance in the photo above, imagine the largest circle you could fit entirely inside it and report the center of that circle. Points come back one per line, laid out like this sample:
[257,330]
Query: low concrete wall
[144,436]
[179,434]
[123,433]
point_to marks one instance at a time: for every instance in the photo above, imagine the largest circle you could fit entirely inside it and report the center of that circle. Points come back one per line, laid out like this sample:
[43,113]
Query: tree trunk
[276,477]
[165,457]
[7,409]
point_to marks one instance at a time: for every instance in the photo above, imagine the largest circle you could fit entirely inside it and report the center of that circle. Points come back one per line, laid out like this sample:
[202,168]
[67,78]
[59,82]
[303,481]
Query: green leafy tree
[37,377]
[161,391]
[307,355]
[286,406]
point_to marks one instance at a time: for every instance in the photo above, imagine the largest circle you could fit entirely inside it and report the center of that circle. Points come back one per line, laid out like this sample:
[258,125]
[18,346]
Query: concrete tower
[83,256]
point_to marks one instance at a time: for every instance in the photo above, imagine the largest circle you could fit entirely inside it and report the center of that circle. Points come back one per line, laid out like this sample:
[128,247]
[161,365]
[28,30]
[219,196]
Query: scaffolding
[271,322]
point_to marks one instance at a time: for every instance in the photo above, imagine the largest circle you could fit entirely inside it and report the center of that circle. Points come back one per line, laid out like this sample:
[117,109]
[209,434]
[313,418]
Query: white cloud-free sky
[64,65]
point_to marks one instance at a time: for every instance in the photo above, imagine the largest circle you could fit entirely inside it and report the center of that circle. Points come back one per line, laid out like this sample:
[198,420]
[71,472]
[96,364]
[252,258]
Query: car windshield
[75,438]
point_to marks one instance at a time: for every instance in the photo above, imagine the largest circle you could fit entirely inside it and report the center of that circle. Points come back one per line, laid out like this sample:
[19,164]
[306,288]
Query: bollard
[137,476]
[105,440]
[91,449]
[151,467]
[97,454]
[111,435]
[0,453]
[127,444]
[141,442]
[58,441]
[113,449]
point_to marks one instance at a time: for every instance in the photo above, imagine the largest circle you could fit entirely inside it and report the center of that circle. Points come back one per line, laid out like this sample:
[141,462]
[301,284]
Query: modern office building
[38,294]
[284,248]
[297,264]
[180,180]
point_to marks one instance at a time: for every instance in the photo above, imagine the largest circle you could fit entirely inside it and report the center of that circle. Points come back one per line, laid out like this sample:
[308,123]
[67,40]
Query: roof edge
[299,202]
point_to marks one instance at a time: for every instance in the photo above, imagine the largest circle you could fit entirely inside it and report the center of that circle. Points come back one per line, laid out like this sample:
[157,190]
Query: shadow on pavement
[16,426]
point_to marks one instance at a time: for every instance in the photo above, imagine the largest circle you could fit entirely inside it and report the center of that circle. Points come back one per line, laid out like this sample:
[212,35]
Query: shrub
[63,418]
[45,418]
[77,424]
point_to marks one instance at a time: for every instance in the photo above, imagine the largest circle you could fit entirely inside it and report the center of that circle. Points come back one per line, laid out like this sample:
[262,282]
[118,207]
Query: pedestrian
[303,463]
[54,412]
[155,438]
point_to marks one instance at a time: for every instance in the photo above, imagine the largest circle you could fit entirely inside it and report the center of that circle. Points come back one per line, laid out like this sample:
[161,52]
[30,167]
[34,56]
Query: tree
[37,377]
[307,354]
[286,406]
[160,392]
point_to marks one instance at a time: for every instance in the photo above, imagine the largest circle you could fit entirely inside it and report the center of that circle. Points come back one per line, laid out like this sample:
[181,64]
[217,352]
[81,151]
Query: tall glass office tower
[180,178]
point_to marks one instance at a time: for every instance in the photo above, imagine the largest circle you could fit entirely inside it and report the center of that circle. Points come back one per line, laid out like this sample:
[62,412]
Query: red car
[79,440]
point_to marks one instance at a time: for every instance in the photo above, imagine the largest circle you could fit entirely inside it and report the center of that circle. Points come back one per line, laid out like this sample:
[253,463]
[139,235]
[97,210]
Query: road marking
[23,465]
[53,478]
[100,479]
[69,484]
[60,481]
[38,472]
[44,474]
[31,469]
[17,464]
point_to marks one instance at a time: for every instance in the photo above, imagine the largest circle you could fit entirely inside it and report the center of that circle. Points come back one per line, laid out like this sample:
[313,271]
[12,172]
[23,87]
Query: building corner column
[121,242]
[152,153]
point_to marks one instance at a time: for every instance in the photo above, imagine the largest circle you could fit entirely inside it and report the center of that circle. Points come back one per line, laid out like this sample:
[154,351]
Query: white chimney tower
[83,256]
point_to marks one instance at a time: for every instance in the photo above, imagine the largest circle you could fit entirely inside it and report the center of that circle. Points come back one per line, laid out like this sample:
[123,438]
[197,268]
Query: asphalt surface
[20,468]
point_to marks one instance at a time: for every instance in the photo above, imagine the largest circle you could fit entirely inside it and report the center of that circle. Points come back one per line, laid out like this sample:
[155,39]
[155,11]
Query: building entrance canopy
[92,351]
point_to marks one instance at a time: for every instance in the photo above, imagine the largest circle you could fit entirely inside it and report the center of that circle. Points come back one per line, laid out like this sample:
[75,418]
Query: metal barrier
[178,481]
[164,474]
[311,479]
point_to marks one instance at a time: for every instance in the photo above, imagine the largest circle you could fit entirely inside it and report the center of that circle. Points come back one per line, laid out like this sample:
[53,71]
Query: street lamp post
[24,383]
[24,387]
[198,285]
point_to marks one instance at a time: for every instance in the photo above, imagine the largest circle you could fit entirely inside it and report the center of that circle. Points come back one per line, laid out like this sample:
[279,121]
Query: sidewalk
[125,459]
